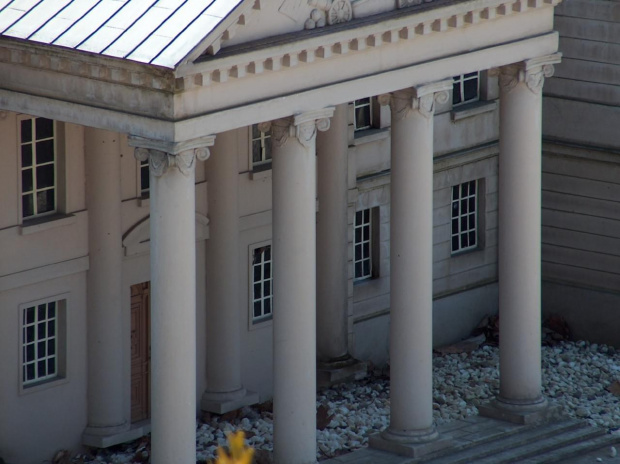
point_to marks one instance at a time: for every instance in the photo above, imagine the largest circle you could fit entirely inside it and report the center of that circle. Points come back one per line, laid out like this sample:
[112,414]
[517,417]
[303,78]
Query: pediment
[137,240]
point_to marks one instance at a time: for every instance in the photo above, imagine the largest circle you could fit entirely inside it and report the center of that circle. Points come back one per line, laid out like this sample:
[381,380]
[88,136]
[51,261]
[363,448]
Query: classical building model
[206,204]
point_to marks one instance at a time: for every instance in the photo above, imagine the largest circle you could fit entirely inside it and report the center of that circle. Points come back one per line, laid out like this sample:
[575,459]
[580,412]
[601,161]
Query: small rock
[613,452]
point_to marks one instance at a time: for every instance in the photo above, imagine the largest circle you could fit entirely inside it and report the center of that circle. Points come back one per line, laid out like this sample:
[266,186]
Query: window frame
[61,331]
[459,234]
[262,320]
[265,163]
[143,193]
[367,105]
[56,163]
[374,249]
[459,82]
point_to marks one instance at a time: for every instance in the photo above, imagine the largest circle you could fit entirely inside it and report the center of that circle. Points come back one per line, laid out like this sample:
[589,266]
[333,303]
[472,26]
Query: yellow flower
[239,453]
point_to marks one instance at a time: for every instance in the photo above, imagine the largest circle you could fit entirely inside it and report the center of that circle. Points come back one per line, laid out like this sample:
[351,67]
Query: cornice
[87,65]
[383,30]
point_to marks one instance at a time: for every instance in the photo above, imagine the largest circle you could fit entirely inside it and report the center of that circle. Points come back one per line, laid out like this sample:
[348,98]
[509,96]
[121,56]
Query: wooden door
[140,352]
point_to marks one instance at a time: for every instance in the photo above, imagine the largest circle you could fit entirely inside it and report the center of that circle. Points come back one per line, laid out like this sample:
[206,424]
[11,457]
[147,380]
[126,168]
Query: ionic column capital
[163,155]
[530,72]
[420,98]
[302,125]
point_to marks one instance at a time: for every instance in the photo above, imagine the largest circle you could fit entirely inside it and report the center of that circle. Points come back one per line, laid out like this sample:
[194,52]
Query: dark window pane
[257,274]
[359,217]
[41,350]
[255,131]
[366,268]
[51,347]
[257,291]
[267,288]
[51,366]
[362,117]
[42,313]
[358,234]
[45,151]
[267,270]
[257,308]
[472,221]
[366,233]
[267,309]
[268,148]
[144,178]
[256,152]
[464,241]
[45,176]
[30,352]
[268,253]
[45,201]
[358,252]
[463,222]
[455,243]
[27,180]
[51,309]
[455,226]
[41,371]
[27,205]
[51,328]
[30,372]
[30,315]
[455,209]
[456,94]
[26,156]
[464,207]
[26,130]
[44,128]
[472,238]
[366,250]
[358,269]
[471,74]
[463,190]
[41,330]
[30,334]
[472,204]
[471,89]
[455,192]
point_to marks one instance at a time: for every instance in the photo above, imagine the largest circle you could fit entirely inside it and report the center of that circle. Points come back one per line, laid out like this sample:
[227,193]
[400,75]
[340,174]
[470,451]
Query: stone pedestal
[411,261]
[294,284]
[225,391]
[107,387]
[520,240]
[173,297]
[334,363]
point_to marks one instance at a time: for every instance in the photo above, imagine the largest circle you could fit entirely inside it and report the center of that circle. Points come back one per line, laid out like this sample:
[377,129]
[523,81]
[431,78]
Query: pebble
[576,377]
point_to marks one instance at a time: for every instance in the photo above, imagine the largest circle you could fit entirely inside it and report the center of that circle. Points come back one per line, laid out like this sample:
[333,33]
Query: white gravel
[576,376]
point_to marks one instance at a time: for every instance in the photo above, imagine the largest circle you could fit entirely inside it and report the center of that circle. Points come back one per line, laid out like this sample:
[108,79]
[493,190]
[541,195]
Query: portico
[298,87]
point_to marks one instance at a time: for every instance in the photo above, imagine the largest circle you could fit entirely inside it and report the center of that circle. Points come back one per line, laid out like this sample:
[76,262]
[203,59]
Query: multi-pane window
[144,178]
[261,147]
[40,342]
[38,166]
[362,244]
[466,88]
[262,283]
[464,216]
[362,114]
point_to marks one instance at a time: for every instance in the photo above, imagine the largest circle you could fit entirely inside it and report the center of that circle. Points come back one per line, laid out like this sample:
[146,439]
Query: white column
[294,282]
[173,298]
[106,389]
[331,238]
[520,232]
[225,391]
[411,264]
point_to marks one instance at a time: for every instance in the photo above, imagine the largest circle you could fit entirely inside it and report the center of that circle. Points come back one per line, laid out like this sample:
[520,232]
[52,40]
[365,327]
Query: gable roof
[158,32]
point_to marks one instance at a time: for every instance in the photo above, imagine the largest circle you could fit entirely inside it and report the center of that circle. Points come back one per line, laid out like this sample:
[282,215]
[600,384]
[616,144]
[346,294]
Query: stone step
[546,445]
[601,443]
[491,445]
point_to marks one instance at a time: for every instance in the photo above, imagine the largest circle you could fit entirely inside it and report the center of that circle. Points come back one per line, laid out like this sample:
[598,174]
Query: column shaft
[331,230]
[223,324]
[106,388]
[411,271]
[519,241]
[173,317]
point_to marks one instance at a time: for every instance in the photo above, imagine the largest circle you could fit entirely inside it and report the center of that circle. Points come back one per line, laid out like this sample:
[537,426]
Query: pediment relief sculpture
[329,12]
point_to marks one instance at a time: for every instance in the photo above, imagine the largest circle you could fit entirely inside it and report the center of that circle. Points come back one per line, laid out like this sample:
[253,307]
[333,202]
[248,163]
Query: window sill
[262,171]
[144,202]
[45,385]
[35,225]
[370,135]
[472,109]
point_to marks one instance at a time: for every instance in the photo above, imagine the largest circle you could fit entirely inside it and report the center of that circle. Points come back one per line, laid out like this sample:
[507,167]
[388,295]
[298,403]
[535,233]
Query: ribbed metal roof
[160,32]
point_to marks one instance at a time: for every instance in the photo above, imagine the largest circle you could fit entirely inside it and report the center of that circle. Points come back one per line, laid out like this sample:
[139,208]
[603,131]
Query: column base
[519,412]
[104,437]
[223,402]
[411,444]
[343,369]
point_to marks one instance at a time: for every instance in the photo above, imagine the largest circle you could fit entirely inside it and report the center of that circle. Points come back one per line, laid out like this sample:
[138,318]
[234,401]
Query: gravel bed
[576,375]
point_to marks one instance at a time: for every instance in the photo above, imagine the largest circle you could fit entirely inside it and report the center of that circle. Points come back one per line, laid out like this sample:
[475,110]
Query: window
[362,114]
[466,88]
[38,166]
[143,166]
[42,341]
[262,283]
[261,148]
[362,244]
[464,216]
